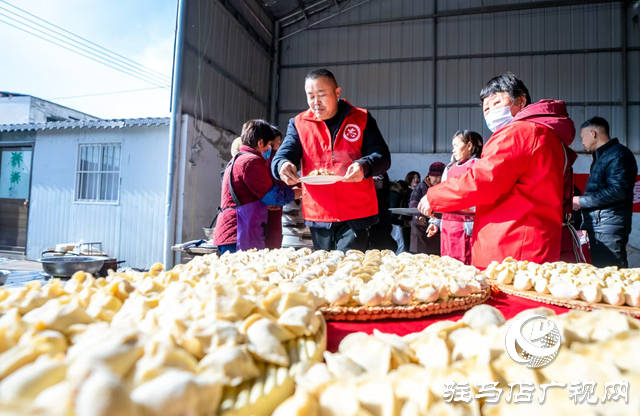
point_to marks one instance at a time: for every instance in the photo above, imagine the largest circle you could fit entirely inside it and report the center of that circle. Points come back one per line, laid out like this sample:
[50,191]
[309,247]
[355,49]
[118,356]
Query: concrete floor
[20,265]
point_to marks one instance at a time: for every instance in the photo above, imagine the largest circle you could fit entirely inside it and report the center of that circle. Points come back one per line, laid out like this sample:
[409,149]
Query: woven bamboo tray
[375,313]
[566,303]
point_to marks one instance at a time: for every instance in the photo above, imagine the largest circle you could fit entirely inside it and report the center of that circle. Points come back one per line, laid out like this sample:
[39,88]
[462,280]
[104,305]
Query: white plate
[321,179]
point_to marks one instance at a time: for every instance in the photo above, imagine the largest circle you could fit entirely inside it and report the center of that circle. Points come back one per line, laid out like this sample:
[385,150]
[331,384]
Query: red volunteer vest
[340,201]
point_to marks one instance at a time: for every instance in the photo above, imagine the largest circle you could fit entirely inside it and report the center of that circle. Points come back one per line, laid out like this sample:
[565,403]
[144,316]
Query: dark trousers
[339,237]
[608,249]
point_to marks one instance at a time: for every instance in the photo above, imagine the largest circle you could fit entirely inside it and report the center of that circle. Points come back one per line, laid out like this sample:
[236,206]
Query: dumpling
[378,398]
[103,394]
[11,329]
[230,364]
[632,296]
[401,294]
[590,293]
[32,345]
[563,289]
[177,393]
[613,295]
[29,381]
[341,366]
[265,343]
[59,314]
[483,315]
[369,353]
[161,356]
[371,295]
[338,293]
[301,320]
[300,404]
[340,399]
[427,293]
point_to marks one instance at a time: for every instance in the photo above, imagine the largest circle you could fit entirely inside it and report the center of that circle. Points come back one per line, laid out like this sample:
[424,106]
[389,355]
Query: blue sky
[141,30]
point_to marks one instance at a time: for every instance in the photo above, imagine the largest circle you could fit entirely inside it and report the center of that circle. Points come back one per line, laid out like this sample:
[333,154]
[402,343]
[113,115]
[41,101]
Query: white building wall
[14,110]
[199,194]
[130,230]
[41,110]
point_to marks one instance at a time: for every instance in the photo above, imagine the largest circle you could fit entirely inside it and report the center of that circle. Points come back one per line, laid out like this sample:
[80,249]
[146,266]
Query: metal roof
[88,124]
[290,11]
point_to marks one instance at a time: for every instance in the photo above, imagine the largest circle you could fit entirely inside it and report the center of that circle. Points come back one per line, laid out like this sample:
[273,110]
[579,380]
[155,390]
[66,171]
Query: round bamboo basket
[566,303]
[420,310]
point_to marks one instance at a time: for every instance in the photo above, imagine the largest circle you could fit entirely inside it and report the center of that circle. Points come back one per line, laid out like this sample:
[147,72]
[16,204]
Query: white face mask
[498,118]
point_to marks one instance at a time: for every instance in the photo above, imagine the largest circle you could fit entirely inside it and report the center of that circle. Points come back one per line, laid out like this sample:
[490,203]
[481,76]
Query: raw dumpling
[300,404]
[177,393]
[522,281]
[103,394]
[613,295]
[483,315]
[265,344]
[590,293]
[30,380]
[300,320]
[563,289]
[230,364]
[402,295]
[369,353]
[341,366]
[427,293]
[338,293]
[378,398]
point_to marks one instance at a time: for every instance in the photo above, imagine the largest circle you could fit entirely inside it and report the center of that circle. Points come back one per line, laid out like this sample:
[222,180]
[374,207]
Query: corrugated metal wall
[226,70]
[575,53]
[133,229]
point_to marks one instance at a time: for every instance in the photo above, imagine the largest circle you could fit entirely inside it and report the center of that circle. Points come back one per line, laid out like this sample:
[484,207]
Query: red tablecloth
[507,304]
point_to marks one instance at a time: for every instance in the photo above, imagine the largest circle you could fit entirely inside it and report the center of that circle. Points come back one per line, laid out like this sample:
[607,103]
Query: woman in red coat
[248,191]
[457,231]
[517,185]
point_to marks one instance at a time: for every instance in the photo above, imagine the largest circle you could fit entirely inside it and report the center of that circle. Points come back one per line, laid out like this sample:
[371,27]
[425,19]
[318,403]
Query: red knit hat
[436,169]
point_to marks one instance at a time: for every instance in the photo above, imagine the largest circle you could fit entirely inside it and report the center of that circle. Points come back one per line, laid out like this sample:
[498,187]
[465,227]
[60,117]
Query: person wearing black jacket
[399,198]
[607,203]
[336,136]
[380,234]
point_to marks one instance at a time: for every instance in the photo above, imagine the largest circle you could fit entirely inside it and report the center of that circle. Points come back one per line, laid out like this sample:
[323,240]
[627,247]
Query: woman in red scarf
[456,231]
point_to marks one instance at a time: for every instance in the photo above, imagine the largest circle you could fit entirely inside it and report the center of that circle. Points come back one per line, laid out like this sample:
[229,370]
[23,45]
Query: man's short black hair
[596,122]
[254,130]
[322,73]
[508,83]
[276,132]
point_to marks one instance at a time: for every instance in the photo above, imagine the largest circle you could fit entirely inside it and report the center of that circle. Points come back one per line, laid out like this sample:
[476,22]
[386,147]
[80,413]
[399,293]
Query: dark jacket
[418,193]
[375,160]
[380,233]
[607,202]
[399,198]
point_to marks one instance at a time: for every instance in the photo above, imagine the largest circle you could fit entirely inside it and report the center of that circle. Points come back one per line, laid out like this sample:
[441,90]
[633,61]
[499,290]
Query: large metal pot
[66,266]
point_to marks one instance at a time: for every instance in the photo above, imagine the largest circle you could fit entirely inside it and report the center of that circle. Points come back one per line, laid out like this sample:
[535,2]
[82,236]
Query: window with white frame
[98,173]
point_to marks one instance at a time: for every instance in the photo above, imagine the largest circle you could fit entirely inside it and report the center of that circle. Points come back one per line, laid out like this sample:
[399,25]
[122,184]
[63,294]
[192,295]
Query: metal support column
[625,72]
[174,134]
[275,76]
[434,84]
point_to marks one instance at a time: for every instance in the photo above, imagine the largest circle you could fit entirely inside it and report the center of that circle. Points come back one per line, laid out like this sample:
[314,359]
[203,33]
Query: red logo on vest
[351,133]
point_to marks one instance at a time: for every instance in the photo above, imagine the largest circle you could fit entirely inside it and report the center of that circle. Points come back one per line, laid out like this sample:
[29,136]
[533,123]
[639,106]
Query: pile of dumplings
[609,285]
[154,343]
[388,375]
[374,278]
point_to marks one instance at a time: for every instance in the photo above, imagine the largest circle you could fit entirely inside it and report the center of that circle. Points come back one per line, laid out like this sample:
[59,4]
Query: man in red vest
[333,135]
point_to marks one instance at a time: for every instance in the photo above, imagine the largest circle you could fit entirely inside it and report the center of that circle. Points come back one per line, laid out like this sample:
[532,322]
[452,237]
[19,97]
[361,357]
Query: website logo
[540,348]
